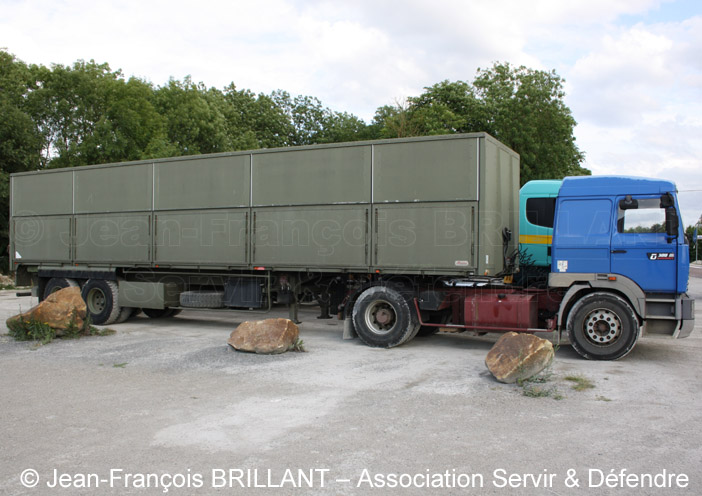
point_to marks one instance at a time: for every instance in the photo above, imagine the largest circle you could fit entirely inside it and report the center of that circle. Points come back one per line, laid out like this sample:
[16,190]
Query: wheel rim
[380,317]
[96,301]
[602,326]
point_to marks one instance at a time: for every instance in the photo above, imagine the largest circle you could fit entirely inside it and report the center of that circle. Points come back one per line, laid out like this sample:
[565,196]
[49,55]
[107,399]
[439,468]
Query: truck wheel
[100,297]
[383,318]
[124,314]
[58,283]
[602,326]
[158,313]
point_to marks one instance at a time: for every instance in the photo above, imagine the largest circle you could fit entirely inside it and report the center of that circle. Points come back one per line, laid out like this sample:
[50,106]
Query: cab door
[641,250]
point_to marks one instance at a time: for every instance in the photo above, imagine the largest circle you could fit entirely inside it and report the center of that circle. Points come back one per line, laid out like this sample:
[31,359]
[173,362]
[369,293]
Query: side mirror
[667,200]
[672,222]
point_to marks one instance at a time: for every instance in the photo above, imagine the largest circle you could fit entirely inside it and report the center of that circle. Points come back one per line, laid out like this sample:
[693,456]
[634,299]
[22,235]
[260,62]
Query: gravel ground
[169,398]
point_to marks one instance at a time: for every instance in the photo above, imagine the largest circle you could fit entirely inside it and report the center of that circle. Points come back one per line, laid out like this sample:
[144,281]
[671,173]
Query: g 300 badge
[661,256]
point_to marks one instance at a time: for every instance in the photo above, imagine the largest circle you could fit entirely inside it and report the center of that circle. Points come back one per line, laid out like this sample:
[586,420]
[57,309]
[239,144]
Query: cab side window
[641,216]
[540,211]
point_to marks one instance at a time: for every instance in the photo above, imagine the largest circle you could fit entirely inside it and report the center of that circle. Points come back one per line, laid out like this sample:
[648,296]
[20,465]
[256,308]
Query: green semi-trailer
[289,220]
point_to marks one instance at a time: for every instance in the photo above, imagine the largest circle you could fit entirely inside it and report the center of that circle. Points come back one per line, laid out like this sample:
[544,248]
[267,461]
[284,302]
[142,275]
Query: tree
[195,122]
[89,114]
[523,108]
[20,142]
[255,121]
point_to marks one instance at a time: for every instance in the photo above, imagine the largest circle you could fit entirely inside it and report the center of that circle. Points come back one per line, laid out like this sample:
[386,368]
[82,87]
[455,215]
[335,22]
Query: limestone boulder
[267,337]
[58,310]
[518,356]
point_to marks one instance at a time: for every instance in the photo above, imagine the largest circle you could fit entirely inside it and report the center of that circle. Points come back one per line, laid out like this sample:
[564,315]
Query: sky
[633,68]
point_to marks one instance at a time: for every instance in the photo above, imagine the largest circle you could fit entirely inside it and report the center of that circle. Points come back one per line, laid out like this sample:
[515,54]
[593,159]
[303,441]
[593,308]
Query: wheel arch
[622,287]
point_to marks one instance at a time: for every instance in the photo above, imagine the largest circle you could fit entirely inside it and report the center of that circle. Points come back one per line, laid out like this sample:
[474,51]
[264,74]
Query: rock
[57,310]
[270,336]
[518,356]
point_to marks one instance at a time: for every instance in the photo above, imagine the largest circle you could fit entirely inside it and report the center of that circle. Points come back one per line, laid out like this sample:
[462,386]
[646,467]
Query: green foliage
[31,330]
[523,108]
[42,333]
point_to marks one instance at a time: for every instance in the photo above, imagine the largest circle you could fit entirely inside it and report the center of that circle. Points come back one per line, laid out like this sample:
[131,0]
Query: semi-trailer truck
[397,237]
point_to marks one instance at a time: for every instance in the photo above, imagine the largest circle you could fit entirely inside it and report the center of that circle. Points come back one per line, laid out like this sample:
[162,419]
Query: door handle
[618,251]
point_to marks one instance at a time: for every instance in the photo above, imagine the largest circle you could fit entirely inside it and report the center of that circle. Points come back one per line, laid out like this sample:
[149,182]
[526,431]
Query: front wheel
[602,326]
[383,318]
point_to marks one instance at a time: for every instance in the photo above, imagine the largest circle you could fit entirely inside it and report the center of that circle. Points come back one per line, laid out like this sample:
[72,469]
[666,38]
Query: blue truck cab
[620,253]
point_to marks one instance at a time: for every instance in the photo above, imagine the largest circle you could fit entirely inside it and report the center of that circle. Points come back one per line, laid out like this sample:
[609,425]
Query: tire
[124,314]
[101,298]
[58,283]
[202,299]
[158,313]
[602,326]
[383,318]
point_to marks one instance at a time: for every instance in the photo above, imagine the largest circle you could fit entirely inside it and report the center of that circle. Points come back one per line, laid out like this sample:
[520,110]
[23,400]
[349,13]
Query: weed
[540,378]
[94,331]
[298,345]
[540,391]
[534,387]
[42,333]
[580,383]
[31,330]
[602,398]
[120,365]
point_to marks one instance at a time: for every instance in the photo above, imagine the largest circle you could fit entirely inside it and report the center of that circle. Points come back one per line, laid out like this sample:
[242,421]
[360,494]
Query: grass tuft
[534,387]
[580,383]
[298,345]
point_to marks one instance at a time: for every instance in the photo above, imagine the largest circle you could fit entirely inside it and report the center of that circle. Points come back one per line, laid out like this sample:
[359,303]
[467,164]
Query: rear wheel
[57,284]
[602,326]
[100,298]
[383,318]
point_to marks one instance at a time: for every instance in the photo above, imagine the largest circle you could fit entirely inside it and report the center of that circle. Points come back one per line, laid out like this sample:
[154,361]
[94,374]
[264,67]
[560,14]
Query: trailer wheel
[100,298]
[158,313]
[58,283]
[383,318]
[124,314]
[602,326]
